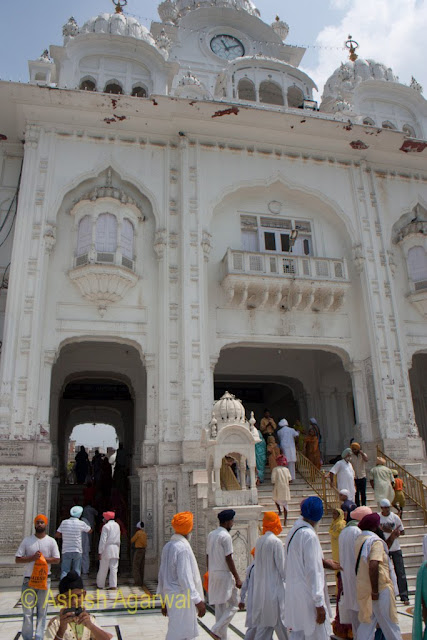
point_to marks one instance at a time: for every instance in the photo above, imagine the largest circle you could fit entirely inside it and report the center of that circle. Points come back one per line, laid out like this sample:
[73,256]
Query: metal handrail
[413,487]
[319,482]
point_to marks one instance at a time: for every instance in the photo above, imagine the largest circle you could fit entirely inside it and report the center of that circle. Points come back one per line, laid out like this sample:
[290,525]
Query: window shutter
[127,239]
[84,236]
[106,233]
[417,264]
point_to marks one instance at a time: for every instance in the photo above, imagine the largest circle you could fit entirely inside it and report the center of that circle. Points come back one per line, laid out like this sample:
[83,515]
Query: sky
[390,31]
[100,435]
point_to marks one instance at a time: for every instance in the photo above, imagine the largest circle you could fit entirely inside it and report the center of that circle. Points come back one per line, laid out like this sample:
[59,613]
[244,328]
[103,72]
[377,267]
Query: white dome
[184,6]
[348,76]
[117,24]
[228,410]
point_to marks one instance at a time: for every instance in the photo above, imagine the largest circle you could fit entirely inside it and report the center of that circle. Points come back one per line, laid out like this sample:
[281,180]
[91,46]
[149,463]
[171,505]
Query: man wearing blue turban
[307,608]
[70,530]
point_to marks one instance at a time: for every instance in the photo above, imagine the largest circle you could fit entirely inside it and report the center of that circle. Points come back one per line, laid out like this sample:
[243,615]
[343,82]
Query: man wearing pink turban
[349,609]
[109,551]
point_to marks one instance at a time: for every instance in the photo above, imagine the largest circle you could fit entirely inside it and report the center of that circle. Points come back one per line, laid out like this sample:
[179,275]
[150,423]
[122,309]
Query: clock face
[227,47]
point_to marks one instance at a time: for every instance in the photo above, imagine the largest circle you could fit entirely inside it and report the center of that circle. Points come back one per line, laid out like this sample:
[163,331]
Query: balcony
[303,283]
[103,278]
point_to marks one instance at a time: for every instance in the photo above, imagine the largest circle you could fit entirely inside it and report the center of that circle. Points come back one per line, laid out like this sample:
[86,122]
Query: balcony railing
[295,266]
[104,257]
[293,282]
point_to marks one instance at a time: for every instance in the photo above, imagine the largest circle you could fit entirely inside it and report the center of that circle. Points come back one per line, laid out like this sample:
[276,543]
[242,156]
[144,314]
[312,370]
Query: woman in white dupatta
[180,584]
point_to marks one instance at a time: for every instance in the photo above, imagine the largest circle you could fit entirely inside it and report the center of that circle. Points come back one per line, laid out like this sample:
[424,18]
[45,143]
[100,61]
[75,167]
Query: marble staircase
[410,543]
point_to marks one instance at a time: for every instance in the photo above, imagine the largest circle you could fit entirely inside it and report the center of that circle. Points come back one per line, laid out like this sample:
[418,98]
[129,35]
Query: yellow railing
[413,488]
[319,482]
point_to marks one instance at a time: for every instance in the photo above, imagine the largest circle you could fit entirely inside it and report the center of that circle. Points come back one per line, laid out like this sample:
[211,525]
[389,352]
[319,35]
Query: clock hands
[228,48]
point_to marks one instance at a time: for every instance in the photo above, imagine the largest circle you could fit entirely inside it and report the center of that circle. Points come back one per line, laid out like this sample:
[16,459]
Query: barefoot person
[280,478]
[223,577]
[180,581]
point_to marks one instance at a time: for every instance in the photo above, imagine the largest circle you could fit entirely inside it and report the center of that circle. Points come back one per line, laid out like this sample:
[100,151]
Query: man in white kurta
[268,605]
[349,609]
[344,471]
[109,551]
[180,585]
[287,437]
[223,580]
[307,613]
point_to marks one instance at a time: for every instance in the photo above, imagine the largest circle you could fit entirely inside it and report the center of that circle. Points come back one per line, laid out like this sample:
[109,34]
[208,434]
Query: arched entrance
[293,383]
[99,382]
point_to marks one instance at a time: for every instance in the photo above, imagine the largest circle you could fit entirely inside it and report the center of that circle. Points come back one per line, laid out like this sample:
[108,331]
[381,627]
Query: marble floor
[120,613]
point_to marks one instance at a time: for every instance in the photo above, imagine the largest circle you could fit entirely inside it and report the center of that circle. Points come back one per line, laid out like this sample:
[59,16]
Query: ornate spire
[119,4]
[352,45]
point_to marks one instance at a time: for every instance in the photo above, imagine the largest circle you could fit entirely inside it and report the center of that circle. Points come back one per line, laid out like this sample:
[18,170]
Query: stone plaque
[42,497]
[12,509]
[169,506]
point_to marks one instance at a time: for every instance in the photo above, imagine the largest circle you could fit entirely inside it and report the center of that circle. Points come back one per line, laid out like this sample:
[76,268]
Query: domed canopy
[348,76]
[228,410]
[117,24]
[184,6]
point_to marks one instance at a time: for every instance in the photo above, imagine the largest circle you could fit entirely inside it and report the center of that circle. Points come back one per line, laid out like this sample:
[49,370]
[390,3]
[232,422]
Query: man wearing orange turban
[182,523]
[269,586]
[180,584]
[36,600]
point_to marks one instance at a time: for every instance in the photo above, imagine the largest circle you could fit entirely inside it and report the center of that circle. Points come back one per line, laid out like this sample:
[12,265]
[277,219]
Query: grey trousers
[266,633]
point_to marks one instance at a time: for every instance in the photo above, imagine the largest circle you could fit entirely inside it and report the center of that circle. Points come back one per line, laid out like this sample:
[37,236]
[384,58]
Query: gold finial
[277,19]
[119,4]
[352,45]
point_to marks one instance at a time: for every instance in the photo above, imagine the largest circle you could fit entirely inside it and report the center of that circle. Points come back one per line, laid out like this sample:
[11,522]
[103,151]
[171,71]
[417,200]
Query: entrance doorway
[98,383]
[294,384]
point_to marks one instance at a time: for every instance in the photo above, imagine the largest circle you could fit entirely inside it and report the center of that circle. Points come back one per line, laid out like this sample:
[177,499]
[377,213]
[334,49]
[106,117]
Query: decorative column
[395,415]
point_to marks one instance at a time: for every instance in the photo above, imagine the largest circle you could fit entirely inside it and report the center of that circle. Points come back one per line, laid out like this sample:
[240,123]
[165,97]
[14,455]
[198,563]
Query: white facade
[151,250]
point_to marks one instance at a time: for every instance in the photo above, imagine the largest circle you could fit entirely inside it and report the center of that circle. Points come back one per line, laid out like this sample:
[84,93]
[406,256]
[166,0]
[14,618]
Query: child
[138,563]
[399,496]
[273,452]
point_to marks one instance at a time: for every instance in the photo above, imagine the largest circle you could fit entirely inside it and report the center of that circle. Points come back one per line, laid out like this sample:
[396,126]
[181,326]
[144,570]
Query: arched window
[388,125]
[408,131]
[106,233]
[369,122]
[139,91]
[88,85]
[295,97]
[417,264]
[270,93]
[84,236]
[113,87]
[246,90]
[126,240]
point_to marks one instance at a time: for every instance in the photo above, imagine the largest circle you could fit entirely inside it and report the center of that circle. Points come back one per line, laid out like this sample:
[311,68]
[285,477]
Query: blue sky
[390,31]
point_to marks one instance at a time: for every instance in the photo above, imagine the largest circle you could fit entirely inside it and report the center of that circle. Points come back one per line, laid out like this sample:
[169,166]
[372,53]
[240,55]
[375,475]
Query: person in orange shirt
[138,564]
[399,496]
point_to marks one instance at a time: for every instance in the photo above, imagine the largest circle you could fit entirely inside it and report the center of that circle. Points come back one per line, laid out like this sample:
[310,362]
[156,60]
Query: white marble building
[178,219]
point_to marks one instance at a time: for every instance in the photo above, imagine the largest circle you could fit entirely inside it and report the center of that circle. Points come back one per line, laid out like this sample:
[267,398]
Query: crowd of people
[284,589]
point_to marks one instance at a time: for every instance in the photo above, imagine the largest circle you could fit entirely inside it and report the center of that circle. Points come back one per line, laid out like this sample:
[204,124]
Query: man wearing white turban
[344,471]
[70,531]
[287,437]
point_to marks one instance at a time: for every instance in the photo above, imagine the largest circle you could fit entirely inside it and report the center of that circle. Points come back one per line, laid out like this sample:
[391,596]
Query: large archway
[99,382]
[294,383]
